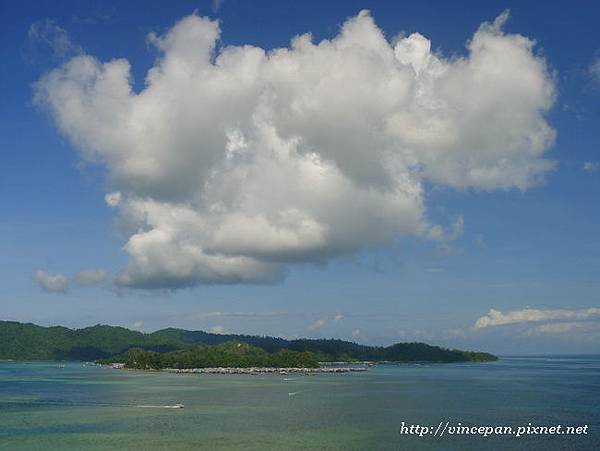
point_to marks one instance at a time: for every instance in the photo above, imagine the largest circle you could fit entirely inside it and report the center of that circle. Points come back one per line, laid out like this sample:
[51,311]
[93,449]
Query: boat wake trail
[66,403]
[174,406]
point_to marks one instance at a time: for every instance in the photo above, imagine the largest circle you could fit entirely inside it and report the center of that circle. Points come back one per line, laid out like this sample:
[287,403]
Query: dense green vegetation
[21,341]
[192,337]
[231,354]
[339,350]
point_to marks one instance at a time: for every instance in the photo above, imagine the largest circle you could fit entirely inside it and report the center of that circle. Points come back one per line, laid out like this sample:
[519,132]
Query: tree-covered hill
[191,337]
[231,354]
[26,341]
[339,350]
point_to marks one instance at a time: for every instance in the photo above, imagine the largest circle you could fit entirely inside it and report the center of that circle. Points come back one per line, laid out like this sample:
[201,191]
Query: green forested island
[177,348]
[231,354]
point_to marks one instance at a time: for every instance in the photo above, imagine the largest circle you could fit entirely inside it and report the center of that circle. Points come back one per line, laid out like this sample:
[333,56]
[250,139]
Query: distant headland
[184,349]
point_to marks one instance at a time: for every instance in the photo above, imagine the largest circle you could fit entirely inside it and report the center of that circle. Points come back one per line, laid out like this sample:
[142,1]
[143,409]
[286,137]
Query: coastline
[266,370]
[249,370]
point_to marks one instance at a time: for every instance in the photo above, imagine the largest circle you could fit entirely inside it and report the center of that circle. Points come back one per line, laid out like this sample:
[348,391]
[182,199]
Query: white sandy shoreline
[248,370]
[259,370]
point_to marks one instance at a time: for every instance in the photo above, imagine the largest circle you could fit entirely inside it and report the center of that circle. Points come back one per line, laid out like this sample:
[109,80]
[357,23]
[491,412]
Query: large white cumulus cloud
[231,164]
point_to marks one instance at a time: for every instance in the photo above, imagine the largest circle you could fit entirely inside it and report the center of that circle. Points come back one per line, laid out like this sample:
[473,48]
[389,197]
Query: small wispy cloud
[480,241]
[338,317]
[48,33]
[52,283]
[591,166]
[100,15]
[594,70]
[454,232]
[91,276]
[60,283]
[556,328]
[497,318]
[216,5]
[318,324]
[247,315]
[113,199]
[455,333]
[138,325]
[434,270]
[356,333]
[441,251]
[217,329]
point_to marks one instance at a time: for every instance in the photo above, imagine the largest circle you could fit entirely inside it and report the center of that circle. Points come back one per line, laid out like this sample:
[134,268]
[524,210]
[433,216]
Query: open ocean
[45,407]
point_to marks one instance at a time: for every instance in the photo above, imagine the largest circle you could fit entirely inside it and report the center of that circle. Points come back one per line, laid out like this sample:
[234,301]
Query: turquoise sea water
[45,407]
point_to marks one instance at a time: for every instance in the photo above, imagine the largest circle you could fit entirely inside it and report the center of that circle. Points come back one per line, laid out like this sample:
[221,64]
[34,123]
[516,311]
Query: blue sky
[529,251]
